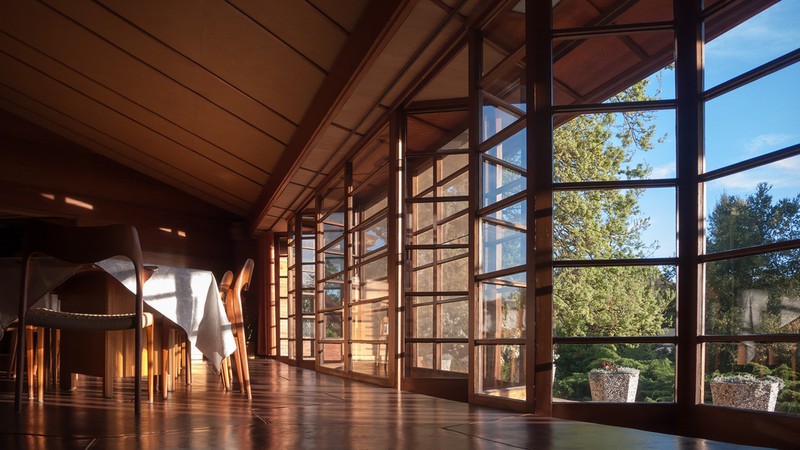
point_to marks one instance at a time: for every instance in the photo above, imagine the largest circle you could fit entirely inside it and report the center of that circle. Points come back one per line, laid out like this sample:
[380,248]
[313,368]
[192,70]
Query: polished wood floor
[295,409]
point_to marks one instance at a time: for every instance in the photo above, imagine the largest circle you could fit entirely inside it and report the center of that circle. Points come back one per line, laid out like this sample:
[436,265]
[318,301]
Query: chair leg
[164,358]
[244,374]
[40,366]
[223,373]
[12,360]
[151,363]
[30,358]
[187,359]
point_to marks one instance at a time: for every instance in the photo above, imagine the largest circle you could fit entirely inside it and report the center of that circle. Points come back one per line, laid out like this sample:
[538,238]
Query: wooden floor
[294,409]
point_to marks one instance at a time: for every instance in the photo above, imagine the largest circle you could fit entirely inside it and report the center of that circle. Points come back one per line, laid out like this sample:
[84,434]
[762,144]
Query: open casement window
[330,282]
[437,252]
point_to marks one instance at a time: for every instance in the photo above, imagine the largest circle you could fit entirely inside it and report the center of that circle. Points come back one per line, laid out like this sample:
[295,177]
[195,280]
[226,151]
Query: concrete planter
[746,392]
[616,386]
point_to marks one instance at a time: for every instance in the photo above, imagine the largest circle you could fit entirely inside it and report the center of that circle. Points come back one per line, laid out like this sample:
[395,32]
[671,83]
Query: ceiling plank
[380,20]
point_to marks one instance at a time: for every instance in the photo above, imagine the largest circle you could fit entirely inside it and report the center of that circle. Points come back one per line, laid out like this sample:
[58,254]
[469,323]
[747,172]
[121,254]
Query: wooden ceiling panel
[237,49]
[103,144]
[343,14]
[37,89]
[451,82]
[316,37]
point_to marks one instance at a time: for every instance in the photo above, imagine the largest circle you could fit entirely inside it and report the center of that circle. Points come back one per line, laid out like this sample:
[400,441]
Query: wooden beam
[379,22]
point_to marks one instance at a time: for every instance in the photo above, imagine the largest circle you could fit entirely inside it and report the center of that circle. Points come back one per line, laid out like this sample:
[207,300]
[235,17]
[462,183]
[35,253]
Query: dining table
[187,297]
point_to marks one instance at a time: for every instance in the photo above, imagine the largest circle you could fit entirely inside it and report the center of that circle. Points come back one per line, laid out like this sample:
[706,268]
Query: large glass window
[501,299]
[368,270]
[437,245]
[750,267]
[614,217]
[330,285]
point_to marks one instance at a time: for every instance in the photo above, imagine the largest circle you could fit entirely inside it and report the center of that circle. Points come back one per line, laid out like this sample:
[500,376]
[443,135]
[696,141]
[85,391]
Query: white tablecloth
[187,297]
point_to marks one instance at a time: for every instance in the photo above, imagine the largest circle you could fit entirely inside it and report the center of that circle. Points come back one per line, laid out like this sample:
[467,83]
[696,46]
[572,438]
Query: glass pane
[575,13]
[308,277]
[502,312]
[512,150]
[458,186]
[455,276]
[503,246]
[753,294]
[502,371]
[455,358]
[332,295]
[423,180]
[331,355]
[422,356]
[455,319]
[500,182]
[422,280]
[308,303]
[370,281]
[614,146]
[760,39]
[601,68]
[453,163]
[749,375]
[332,195]
[503,102]
[308,328]
[370,359]
[422,317]
[332,227]
[421,258]
[613,367]
[755,207]
[422,215]
[614,224]
[332,262]
[370,321]
[332,325]
[754,119]
[454,231]
[614,301]
[284,328]
[309,352]
[447,209]
[371,238]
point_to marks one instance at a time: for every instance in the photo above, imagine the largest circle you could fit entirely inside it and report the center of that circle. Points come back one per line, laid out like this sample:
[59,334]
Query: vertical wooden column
[539,323]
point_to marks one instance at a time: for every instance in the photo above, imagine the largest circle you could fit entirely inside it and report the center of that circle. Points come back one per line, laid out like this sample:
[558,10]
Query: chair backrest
[243,280]
[83,245]
[225,285]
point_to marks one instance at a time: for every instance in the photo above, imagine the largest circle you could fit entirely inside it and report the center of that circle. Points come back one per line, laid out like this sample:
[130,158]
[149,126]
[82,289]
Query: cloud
[768,142]
[770,29]
[781,175]
[666,170]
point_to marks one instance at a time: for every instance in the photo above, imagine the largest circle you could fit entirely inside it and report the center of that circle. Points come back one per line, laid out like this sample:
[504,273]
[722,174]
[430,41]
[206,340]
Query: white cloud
[769,142]
[664,171]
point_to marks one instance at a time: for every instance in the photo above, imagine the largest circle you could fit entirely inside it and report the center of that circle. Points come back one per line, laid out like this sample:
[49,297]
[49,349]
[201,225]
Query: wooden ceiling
[246,105]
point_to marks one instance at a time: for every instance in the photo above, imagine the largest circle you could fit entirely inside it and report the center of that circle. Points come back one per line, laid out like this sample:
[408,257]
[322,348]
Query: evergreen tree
[606,224]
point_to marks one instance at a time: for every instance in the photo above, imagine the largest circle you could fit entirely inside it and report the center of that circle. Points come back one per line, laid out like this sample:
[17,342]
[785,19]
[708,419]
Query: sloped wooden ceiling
[250,105]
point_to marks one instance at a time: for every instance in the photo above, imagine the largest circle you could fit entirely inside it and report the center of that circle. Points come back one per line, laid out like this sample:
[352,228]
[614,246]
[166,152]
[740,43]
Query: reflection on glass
[332,295]
[765,376]
[370,359]
[422,317]
[369,281]
[422,355]
[370,321]
[503,238]
[753,294]
[502,310]
[331,355]
[332,325]
[574,362]
[614,301]
[455,358]
[753,120]
[500,181]
[502,371]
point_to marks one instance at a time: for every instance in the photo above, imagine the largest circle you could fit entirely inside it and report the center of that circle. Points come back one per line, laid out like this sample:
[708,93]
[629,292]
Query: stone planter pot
[617,386]
[746,393]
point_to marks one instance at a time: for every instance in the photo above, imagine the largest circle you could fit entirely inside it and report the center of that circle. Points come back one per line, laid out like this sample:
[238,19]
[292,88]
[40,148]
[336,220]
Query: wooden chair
[234,309]
[225,371]
[84,245]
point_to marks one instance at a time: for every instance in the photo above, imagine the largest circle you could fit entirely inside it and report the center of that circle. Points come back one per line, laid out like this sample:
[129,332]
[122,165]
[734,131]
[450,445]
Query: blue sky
[753,120]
